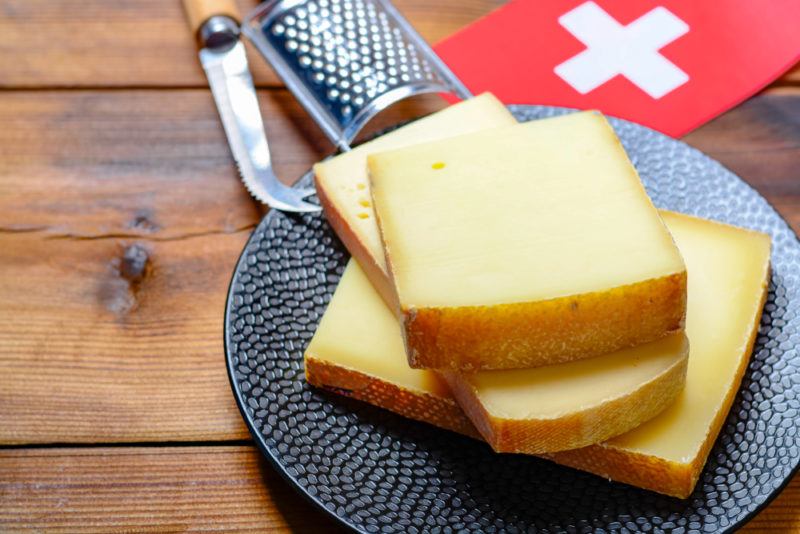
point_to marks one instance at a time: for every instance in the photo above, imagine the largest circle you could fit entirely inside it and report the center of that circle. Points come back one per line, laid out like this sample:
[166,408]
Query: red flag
[671,65]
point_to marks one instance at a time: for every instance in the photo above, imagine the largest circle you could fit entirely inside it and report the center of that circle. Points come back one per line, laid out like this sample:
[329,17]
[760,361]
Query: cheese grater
[347,60]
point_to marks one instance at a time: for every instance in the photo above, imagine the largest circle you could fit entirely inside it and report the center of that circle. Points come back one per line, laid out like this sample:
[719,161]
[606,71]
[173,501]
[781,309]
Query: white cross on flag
[669,64]
[631,50]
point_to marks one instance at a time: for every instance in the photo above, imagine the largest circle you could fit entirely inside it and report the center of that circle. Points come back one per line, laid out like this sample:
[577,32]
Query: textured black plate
[377,472]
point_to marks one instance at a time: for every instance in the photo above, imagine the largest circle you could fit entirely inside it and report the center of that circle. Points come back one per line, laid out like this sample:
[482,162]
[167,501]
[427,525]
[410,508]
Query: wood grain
[155,172]
[149,164]
[82,164]
[138,43]
[108,340]
[188,489]
[792,77]
[760,141]
[96,43]
[121,217]
[781,515]
[134,163]
[175,489]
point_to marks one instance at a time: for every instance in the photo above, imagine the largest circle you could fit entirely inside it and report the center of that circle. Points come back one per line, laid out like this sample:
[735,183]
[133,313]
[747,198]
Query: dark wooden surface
[179,488]
[150,489]
[147,43]
[121,217]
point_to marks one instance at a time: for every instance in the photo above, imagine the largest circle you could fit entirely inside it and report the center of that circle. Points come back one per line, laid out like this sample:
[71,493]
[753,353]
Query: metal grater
[347,60]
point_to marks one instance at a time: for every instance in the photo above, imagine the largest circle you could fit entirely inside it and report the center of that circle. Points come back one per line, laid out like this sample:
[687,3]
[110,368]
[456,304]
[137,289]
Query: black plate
[375,471]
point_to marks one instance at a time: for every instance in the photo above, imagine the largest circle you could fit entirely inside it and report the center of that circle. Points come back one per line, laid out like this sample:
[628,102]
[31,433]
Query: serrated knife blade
[234,93]
[224,61]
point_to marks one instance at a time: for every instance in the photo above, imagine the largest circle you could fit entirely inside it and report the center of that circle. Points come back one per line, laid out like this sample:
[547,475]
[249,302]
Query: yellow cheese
[343,187]
[575,404]
[523,246]
[729,271]
[728,279]
[537,410]
[357,351]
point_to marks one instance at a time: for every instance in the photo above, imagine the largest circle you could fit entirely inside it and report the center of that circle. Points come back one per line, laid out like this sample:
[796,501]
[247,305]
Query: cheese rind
[731,263]
[728,284]
[555,331]
[524,246]
[576,404]
[343,187]
[357,351]
[439,409]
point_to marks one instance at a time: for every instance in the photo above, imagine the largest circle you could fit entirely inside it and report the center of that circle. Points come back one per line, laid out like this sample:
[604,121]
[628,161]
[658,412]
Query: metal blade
[233,90]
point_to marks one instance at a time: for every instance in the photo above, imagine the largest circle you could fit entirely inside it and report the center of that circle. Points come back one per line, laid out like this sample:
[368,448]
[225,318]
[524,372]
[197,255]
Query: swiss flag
[668,64]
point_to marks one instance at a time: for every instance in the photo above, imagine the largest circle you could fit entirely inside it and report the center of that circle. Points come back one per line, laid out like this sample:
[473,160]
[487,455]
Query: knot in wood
[134,263]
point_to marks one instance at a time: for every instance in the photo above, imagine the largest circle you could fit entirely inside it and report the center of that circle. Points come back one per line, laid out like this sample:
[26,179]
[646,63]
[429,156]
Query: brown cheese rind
[604,459]
[541,333]
[443,412]
[601,459]
[586,426]
[517,335]
[656,474]
[640,470]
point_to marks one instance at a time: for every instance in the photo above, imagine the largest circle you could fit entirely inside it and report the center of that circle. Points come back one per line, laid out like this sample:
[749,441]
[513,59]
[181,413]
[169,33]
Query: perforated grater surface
[347,60]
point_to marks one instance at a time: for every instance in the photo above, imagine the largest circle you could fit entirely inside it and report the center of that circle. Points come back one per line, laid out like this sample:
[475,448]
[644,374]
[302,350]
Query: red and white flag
[671,65]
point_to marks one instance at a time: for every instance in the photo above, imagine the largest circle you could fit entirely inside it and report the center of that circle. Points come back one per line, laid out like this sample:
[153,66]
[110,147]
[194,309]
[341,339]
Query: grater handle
[198,12]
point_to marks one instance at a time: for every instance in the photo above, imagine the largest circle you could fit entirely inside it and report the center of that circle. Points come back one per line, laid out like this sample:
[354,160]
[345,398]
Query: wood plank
[134,163]
[96,345]
[143,163]
[790,78]
[189,489]
[782,514]
[84,331]
[109,340]
[174,489]
[81,163]
[68,310]
[760,141]
[96,43]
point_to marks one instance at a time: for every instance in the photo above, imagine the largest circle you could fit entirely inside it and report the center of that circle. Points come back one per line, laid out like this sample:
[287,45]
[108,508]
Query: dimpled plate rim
[374,471]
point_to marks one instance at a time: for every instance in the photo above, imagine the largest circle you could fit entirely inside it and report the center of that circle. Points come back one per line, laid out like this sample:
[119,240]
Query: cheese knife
[215,24]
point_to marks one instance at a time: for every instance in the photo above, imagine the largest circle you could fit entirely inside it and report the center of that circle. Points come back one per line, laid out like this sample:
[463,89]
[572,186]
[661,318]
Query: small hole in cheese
[361,186]
[438,165]
[364,202]
[363,215]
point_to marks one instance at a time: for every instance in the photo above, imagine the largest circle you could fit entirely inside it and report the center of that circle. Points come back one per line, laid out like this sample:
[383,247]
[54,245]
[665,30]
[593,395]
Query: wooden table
[121,218]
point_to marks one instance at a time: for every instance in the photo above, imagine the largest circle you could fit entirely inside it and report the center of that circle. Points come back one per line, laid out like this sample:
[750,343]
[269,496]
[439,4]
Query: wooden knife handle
[199,11]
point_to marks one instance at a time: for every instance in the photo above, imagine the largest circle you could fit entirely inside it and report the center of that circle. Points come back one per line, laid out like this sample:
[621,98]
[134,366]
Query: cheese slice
[523,246]
[357,351]
[729,272]
[343,187]
[575,404]
[728,280]
[532,410]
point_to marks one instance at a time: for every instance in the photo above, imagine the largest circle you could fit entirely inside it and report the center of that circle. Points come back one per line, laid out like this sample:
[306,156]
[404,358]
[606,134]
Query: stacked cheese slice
[539,295]
[524,245]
